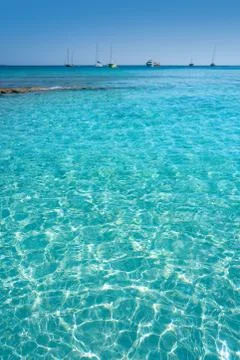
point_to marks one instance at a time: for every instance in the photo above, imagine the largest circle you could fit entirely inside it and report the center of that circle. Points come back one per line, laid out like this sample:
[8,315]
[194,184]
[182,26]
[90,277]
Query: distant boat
[191,64]
[98,63]
[67,63]
[111,64]
[213,58]
[151,63]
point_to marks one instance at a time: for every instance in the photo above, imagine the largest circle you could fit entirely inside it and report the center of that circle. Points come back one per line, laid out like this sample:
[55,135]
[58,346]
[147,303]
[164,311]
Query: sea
[120,213]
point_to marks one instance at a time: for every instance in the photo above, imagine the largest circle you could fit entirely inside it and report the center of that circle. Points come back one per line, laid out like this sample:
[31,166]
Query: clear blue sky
[171,31]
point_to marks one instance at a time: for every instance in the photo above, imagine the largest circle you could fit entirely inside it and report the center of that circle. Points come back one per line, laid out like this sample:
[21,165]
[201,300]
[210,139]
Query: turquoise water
[120,214]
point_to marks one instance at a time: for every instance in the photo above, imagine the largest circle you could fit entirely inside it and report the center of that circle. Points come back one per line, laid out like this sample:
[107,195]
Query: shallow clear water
[120,214]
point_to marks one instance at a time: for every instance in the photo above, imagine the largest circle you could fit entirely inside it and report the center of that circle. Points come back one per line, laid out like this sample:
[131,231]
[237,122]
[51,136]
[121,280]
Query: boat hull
[151,63]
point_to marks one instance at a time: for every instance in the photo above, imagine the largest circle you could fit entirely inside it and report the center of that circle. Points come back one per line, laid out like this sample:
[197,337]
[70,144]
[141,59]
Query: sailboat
[213,57]
[111,64]
[191,64]
[68,64]
[98,63]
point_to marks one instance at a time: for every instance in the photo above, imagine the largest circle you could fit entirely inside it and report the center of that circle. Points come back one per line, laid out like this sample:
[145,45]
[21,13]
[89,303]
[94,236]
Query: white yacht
[151,63]
[99,64]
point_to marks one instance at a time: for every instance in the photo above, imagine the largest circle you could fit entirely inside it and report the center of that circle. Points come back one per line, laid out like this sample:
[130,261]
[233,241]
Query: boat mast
[213,55]
[72,59]
[110,62]
[67,56]
[96,53]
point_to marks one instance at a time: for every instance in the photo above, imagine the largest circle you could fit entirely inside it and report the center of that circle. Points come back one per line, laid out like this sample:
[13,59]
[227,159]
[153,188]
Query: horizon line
[144,65]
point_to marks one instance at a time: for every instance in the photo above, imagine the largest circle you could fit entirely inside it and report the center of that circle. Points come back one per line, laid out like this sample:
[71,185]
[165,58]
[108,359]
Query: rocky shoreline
[25,90]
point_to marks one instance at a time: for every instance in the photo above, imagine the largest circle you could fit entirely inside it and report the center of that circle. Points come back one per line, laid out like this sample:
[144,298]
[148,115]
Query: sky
[38,32]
